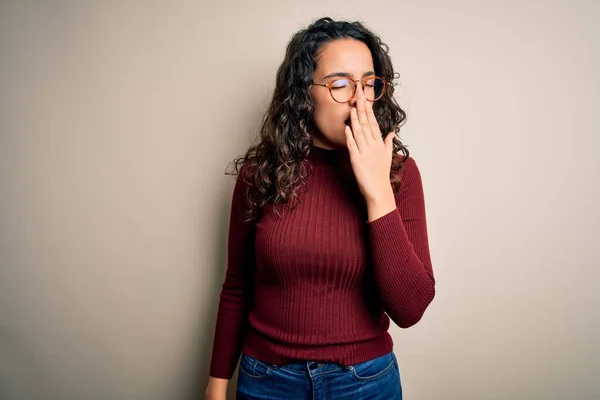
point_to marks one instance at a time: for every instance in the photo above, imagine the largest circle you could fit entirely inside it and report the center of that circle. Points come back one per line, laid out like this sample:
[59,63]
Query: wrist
[380,204]
[381,195]
[217,383]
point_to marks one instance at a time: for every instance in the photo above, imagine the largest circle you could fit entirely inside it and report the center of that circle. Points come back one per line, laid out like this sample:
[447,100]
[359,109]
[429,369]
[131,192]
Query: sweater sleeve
[236,292]
[400,253]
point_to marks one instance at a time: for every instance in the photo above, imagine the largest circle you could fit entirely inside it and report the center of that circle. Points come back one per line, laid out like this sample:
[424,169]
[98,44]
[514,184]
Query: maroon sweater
[318,282]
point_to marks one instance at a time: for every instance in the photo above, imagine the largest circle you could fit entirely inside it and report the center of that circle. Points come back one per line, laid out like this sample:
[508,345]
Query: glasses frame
[356,81]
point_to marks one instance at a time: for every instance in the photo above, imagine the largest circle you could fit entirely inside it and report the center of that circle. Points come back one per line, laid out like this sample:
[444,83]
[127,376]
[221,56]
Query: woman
[327,236]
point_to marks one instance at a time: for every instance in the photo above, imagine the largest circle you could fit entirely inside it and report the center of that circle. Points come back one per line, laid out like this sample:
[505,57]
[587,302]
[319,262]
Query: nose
[358,94]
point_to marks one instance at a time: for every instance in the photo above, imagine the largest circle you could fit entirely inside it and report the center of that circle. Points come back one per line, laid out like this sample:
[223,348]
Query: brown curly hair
[275,166]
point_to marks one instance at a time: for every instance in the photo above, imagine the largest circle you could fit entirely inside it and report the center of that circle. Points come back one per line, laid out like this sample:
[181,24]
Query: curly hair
[275,166]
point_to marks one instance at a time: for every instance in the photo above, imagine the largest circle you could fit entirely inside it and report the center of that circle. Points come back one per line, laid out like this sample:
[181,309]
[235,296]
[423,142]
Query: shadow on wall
[244,127]
[19,376]
[203,351]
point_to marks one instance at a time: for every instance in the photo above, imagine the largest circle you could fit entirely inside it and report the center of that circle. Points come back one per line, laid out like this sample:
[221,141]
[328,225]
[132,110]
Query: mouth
[348,122]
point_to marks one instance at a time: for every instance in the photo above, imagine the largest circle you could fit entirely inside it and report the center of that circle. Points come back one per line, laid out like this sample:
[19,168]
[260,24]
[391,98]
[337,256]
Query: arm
[236,293]
[400,253]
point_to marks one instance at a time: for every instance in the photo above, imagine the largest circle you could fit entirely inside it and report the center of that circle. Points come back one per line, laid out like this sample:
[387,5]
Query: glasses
[343,90]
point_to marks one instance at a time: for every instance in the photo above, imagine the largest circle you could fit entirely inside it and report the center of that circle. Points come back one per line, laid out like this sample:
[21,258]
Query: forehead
[344,55]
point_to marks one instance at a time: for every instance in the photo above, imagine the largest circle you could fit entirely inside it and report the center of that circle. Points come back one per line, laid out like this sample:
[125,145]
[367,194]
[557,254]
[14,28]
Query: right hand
[216,389]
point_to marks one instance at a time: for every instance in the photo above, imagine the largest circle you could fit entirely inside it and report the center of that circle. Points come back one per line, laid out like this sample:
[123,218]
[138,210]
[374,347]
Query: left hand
[370,154]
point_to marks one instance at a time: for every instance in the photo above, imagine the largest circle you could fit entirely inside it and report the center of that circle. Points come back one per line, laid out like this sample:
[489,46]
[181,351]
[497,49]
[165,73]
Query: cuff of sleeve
[389,237]
[227,344]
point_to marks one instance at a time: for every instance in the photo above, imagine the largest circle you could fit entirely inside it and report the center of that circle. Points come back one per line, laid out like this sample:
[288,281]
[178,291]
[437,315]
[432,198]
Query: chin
[342,145]
[337,141]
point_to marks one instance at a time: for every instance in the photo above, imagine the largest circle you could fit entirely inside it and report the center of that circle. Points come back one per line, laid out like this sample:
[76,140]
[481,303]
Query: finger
[350,142]
[357,132]
[375,131]
[389,141]
[362,118]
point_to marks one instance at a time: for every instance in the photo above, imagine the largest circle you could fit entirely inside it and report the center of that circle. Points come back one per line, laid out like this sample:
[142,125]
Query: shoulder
[242,178]
[410,177]
[244,174]
[409,168]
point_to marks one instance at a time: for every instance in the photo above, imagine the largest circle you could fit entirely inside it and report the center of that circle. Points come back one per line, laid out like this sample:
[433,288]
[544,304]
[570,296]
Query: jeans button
[313,366]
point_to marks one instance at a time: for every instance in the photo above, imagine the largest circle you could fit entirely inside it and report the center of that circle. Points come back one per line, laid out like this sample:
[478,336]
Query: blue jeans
[378,378]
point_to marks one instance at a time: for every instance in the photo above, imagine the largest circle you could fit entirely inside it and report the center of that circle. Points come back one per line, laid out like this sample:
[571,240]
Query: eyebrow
[347,75]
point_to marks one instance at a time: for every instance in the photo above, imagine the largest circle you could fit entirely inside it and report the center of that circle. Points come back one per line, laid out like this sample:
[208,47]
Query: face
[353,59]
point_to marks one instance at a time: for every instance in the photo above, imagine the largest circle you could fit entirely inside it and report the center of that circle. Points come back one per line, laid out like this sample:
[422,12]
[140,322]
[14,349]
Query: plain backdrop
[119,118]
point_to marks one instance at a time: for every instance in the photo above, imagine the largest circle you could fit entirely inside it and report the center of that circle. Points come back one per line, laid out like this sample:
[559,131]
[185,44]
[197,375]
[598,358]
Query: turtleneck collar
[334,156]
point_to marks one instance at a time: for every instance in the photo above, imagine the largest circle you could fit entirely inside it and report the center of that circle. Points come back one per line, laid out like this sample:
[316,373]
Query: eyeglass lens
[342,90]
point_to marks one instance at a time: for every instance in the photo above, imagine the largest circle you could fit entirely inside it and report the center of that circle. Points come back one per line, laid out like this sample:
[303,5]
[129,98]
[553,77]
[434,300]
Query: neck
[328,155]
[320,141]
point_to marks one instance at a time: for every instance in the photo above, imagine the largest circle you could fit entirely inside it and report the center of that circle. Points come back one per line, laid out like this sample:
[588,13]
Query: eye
[371,82]
[340,83]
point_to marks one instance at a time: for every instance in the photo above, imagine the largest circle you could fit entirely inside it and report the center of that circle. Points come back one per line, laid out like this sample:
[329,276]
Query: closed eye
[340,84]
[370,82]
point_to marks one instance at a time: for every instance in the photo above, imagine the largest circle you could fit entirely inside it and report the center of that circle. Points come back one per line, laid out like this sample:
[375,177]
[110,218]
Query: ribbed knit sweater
[318,282]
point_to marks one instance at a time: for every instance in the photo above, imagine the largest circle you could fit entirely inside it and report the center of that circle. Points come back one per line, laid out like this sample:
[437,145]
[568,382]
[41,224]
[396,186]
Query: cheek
[321,105]
[326,114]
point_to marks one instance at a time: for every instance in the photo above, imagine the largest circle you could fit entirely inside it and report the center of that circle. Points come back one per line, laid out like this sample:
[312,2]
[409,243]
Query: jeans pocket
[375,368]
[253,368]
